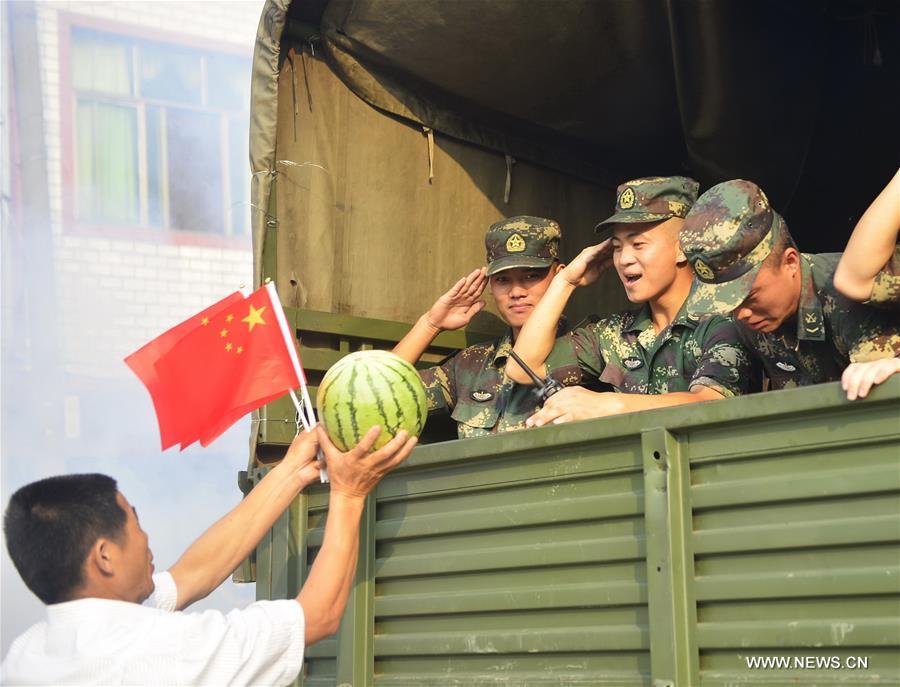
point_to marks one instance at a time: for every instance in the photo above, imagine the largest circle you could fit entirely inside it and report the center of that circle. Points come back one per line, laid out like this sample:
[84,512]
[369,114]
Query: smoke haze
[76,300]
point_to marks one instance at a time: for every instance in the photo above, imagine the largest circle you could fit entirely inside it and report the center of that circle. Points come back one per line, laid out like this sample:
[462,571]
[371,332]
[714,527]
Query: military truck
[743,541]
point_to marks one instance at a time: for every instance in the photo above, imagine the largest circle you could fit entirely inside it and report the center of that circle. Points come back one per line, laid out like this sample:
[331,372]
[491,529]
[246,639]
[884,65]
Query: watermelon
[370,388]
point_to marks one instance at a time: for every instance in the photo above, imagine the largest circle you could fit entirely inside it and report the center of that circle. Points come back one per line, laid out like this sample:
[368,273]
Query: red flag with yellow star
[143,360]
[229,365]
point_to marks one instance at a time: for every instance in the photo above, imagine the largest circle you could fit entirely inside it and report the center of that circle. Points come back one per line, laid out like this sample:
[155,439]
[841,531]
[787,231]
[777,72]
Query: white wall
[117,294]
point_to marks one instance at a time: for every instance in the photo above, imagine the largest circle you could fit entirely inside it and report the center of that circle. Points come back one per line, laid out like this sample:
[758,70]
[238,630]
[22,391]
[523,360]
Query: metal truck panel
[659,548]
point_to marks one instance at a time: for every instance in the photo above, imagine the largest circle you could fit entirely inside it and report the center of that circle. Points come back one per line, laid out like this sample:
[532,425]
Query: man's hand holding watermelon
[357,472]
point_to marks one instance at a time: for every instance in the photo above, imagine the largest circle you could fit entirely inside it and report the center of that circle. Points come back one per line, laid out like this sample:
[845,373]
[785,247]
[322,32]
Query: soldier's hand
[575,403]
[357,472]
[461,303]
[589,264]
[859,378]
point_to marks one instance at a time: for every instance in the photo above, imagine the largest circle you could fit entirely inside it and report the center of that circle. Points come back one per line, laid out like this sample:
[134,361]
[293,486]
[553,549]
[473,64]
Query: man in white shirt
[78,545]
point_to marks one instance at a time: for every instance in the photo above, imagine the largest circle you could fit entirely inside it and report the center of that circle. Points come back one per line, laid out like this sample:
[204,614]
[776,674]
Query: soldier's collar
[810,317]
[643,318]
[501,352]
[684,319]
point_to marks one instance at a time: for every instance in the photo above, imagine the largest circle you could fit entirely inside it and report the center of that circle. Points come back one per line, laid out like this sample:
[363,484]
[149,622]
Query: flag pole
[309,409]
[290,342]
[300,412]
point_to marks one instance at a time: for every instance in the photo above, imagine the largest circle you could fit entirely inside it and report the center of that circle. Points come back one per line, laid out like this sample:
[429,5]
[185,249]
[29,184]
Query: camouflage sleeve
[886,288]
[562,363]
[863,333]
[440,386]
[723,363]
[587,343]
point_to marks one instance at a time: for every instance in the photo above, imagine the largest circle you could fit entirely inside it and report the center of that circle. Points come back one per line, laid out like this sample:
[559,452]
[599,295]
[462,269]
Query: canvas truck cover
[800,97]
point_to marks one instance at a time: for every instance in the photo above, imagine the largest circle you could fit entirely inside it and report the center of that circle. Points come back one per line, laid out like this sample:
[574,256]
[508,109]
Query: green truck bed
[668,547]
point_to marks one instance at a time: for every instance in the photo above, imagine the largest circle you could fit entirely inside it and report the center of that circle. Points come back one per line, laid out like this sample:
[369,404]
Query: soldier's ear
[790,259]
[680,258]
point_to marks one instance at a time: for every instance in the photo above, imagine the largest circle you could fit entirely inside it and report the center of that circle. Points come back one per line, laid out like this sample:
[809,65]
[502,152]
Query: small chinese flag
[143,360]
[236,356]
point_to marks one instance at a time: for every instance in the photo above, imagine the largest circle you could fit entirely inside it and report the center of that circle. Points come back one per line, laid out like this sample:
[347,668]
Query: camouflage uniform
[625,351]
[474,388]
[727,237]
[472,385]
[886,289]
[650,199]
[521,241]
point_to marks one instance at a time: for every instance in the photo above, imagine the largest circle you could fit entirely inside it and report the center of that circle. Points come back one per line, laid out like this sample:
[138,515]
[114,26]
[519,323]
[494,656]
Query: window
[160,135]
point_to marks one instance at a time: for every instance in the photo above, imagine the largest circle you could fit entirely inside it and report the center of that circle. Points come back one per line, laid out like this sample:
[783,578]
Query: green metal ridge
[356,641]
[754,408]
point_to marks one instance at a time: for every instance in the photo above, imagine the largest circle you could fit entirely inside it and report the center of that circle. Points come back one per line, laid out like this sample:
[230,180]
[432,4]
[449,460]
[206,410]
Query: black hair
[51,525]
[783,241]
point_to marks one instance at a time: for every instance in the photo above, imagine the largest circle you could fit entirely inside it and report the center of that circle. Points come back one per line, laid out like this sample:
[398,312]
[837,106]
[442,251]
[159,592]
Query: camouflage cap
[651,199]
[726,237]
[521,241]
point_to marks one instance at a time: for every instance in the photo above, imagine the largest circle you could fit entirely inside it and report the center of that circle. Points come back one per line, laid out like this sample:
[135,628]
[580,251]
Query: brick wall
[114,295]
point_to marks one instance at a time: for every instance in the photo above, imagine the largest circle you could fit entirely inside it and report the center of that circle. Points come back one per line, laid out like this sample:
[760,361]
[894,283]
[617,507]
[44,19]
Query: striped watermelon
[370,388]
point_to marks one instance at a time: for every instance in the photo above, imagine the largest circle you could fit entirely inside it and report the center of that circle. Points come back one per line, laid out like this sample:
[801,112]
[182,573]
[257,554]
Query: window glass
[155,166]
[228,82]
[161,134]
[100,64]
[170,74]
[194,171]
[239,173]
[106,163]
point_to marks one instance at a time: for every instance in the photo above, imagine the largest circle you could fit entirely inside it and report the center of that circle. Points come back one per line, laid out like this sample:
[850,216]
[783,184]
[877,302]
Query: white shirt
[104,642]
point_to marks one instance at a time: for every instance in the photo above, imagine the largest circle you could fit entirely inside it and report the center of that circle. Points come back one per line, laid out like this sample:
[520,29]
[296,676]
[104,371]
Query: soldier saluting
[657,355]
[522,260]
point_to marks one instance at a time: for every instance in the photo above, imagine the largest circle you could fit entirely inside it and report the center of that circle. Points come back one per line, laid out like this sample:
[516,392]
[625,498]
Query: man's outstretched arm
[353,476]
[219,550]
[871,245]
